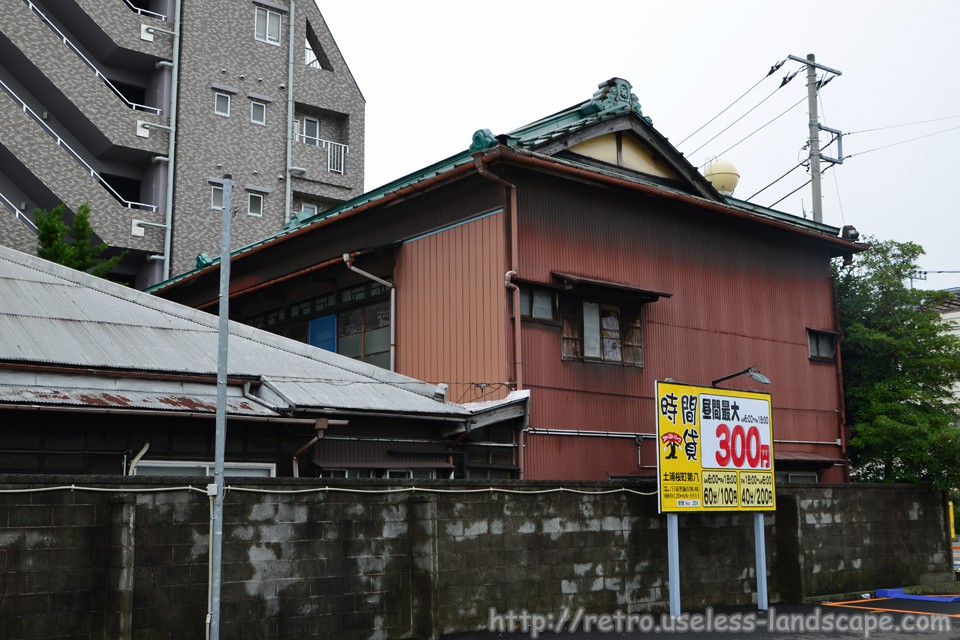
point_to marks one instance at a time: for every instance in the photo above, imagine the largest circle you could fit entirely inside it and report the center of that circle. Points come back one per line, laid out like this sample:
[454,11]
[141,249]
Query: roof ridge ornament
[614,95]
[482,140]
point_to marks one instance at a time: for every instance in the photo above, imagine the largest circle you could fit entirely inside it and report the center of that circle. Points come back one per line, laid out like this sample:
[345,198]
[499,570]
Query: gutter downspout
[172,140]
[319,427]
[511,286]
[288,188]
[348,259]
[514,269]
[136,458]
[842,412]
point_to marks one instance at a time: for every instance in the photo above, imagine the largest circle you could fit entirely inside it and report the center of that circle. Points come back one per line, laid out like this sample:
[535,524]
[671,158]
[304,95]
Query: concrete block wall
[363,560]
[876,536]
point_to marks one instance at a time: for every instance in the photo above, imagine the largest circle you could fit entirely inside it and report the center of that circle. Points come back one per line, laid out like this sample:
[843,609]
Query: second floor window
[595,331]
[267,27]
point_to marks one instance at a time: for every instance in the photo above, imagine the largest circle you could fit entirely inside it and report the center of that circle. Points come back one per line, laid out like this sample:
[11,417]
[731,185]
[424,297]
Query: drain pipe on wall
[288,176]
[513,288]
[321,428]
[172,139]
[133,463]
[514,269]
[348,259]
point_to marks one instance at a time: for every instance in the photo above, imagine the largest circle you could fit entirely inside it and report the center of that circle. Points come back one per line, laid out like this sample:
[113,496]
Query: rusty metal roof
[54,316]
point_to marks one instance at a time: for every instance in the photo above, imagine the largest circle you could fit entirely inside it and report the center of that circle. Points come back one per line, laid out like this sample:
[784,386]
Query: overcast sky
[433,72]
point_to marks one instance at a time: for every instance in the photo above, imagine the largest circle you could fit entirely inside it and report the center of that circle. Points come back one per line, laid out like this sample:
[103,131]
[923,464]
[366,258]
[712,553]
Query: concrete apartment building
[139,107]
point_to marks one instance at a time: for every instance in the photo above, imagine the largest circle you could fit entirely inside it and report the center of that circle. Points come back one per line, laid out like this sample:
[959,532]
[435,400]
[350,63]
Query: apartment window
[258,112]
[311,132]
[255,204]
[822,345]
[267,28]
[537,303]
[216,198]
[596,331]
[308,209]
[221,104]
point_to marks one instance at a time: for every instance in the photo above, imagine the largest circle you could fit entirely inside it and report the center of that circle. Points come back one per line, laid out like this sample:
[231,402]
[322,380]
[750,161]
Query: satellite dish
[723,175]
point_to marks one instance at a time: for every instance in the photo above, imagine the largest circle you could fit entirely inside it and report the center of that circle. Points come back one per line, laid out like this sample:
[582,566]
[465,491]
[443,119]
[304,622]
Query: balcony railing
[20,215]
[73,154]
[93,67]
[144,12]
[336,156]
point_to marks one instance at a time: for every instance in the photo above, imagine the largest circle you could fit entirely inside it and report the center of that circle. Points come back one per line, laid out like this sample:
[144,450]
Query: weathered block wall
[351,563]
[870,536]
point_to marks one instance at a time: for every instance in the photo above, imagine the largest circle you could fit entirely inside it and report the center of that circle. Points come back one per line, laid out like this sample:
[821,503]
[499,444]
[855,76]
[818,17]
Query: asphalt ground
[879,618]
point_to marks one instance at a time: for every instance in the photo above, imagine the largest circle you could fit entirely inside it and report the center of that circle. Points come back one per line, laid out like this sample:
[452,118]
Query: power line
[905,124]
[887,146]
[789,171]
[762,126]
[769,73]
[756,106]
[771,206]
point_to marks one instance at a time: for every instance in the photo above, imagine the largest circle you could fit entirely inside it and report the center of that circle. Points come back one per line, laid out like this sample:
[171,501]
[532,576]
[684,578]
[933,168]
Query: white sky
[435,71]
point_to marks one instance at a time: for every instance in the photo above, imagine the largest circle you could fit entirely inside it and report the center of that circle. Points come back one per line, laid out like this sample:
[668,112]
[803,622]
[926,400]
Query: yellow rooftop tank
[723,175]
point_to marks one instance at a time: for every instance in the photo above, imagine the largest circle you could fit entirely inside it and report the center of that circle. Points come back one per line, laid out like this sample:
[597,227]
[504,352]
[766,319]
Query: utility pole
[216,490]
[815,156]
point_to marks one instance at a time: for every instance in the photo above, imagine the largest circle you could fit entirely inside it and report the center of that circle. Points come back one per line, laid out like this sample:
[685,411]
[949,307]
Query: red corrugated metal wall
[742,296]
[451,324]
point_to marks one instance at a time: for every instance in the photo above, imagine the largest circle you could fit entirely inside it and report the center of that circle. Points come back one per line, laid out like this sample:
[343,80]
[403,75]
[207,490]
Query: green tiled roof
[613,98]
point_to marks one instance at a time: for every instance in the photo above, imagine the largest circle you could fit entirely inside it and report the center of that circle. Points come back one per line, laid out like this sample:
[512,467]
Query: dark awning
[581,284]
[804,460]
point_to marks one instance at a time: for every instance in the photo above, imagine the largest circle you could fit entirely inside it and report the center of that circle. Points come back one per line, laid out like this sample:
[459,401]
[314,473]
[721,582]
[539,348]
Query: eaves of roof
[463,163]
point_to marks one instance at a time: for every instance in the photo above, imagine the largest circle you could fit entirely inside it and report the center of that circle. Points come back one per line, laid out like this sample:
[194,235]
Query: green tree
[899,369]
[71,245]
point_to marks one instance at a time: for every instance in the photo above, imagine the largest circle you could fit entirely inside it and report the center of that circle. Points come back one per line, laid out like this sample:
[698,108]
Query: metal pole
[814,138]
[761,551]
[287,175]
[673,564]
[216,559]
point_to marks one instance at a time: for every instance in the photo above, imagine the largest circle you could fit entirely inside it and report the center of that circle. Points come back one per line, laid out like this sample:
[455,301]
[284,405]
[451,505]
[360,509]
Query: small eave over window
[613,291]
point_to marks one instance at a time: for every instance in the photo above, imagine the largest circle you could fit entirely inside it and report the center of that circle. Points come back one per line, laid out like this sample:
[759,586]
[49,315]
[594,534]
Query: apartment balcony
[68,84]
[50,171]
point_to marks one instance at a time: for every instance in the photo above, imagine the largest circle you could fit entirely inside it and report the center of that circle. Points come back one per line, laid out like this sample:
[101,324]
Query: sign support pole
[761,551]
[673,564]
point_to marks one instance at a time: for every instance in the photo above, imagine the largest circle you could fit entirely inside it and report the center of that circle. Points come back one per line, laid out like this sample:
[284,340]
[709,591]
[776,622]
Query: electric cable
[769,73]
[905,124]
[789,171]
[790,108]
[894,144]
[725,129]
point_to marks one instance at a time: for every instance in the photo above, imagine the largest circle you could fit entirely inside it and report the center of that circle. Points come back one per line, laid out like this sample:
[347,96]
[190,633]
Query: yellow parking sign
[715,449]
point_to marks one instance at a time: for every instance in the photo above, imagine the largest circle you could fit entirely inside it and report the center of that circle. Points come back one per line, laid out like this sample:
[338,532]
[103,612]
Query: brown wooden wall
[741,296]
[451,310]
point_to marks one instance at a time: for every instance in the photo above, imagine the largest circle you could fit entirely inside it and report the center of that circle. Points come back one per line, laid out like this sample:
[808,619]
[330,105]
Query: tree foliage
[900,365]
[71,245]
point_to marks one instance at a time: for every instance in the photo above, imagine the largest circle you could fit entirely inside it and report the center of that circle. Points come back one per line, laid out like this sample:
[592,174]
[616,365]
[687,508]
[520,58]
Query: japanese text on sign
[715,449]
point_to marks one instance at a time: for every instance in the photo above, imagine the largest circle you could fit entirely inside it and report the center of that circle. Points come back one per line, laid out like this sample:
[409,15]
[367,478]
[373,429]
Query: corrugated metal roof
[52,315]
[144,400]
